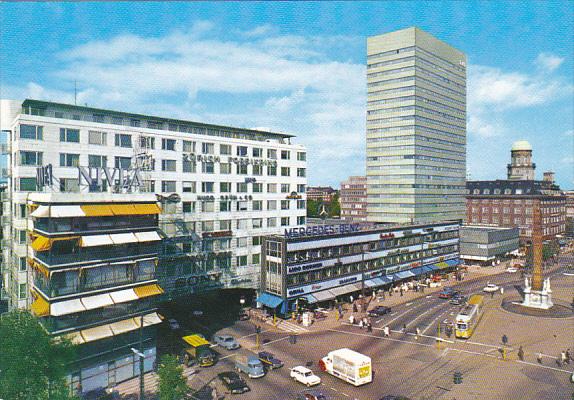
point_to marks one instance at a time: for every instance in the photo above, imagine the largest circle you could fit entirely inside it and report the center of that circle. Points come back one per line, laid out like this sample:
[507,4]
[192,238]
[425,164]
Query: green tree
[313,208]
[335,206]
[32,363]
[172,383]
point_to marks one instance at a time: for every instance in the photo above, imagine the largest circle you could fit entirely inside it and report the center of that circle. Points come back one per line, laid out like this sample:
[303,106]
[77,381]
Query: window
[224,206]
[98,118]
[147,142]
[257,205]
[241,261]
[271,188]
[242,169]
[135,123]
[188,206]
[23,264]
[168,186]
[31,132]
[122,162]
[76,117]
[58,114]
[187,165]
[301,156]
[168,144]
[284,204]
[27,185]
[257,188]
[242,223]
[285,154]
[225,149]
[123,140]
[22,291]
[207,148]
[31,158]
[256,258]
[257,170]
[241,187]
[168,165]
[301,204]
[257,152]
[301,220]
[188,146]
[271,170]
[272,204]
[207,226]
[188,187]
[207,167]
[117,120]
[224,168]
[242,206]
[225,225]
[225,187]
[272,154]
[208,206]
[301,188]
[207,187]
[285,171]
[257,223]
[271,222]
[285,188]
[69,185]
[97,161]
[242,151]
[69,160]
[284,221]
[301,172]
[97,137]
[69,135]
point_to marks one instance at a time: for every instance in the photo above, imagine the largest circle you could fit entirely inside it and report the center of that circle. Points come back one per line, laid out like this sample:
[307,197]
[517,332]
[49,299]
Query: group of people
[565,357]
[364,322]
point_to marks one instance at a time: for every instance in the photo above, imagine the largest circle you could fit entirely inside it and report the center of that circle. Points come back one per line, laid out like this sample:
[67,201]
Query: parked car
[233,382]
[305,376]
[319,314]
[311,395]
[511,270]
[226,341]
[244,315]
[249,365]
[458,300]
[173,324]
[269,360]
[491,287]
[379,311]
[446,293]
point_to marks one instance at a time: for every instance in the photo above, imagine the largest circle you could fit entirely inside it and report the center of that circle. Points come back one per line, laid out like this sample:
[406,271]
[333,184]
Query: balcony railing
[117,253]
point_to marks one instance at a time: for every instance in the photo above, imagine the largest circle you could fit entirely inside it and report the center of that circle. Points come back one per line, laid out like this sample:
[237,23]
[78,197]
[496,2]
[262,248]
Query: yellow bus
[469,316]
[199,351]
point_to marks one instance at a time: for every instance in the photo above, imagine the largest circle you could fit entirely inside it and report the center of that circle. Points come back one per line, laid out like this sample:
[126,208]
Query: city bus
[469,316]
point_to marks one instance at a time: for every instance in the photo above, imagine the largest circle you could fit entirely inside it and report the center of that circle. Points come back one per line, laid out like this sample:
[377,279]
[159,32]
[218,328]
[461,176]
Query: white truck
[349,366]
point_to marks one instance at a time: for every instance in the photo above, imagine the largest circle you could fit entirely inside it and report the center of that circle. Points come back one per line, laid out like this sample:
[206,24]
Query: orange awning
[123,209]
[97,210]
[40,307]
[41,243]
[148,290]
[144,209]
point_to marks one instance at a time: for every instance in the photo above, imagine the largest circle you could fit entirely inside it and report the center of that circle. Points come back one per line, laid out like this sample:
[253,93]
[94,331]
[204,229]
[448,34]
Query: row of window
[416,119]
[384,111]
[148,142]
[417,148]
[418,72]
[415,157]
[228,205]
[405,99]
[417,167]
[413,130]
[440,60]
[415,186]
[417,177]
[419,90]
[412,138]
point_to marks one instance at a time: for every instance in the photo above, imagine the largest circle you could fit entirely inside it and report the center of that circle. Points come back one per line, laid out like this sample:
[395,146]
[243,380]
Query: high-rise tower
[416,128]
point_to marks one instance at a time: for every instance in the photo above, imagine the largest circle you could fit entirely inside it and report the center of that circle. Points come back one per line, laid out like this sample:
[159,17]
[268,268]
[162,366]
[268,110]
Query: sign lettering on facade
[317,230]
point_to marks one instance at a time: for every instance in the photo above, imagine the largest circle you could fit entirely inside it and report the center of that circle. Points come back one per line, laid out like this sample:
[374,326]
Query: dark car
[458,299]
[269,360]
[311,395]
[446,293]
[233,382]
[244,315]
[379,311]
[391,397]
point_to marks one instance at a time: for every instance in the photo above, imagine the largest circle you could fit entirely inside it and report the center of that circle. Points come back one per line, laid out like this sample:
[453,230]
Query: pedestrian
[383,296]
[422,288]
[404,328]
[352,298]
[563,357]
[340,309]
[521,354]
[355,308]
[352,320]
[401,290]
[568,356]
[386,331]
[390,291]
[361,324]
[539,358]
[501,290]
[418,331]
[369,327]
[504,340]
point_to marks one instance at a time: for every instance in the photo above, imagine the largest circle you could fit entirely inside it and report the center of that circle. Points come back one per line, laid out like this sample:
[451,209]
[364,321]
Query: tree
[313,208]
[172,383]
[33,363]
[335,206]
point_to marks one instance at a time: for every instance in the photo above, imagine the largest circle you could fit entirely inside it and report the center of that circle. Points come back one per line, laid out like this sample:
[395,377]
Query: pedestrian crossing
[291,327]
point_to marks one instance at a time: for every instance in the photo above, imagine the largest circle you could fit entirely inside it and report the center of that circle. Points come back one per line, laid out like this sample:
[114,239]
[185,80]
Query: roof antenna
[75,93]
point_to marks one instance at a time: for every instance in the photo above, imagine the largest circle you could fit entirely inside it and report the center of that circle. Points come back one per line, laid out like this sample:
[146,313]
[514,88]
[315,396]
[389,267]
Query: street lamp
[141,356]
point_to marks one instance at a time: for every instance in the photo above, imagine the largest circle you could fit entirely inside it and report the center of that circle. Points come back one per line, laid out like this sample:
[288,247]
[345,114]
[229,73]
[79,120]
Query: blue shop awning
[433,267]
[310,298]
[453,262]
[374,282]
[427,268]
[387,279]
[269,300]
[418,271]
[404,274]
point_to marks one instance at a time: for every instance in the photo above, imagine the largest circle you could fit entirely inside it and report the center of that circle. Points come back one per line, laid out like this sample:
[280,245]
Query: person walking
[386,331]
[563,357]
[491,295]
[539,358]
[404,328]
[361,323]
[504,340]
[568,356]
[501,290]
[352,320]
[521,354]
[401,290]
[355,308]
[369,327]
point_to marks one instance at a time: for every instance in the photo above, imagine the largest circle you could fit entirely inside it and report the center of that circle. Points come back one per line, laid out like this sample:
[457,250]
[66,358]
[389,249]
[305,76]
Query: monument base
[541,299]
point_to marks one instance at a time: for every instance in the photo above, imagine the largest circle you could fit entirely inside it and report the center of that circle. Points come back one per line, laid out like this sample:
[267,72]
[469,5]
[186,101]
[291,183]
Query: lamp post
[141,356]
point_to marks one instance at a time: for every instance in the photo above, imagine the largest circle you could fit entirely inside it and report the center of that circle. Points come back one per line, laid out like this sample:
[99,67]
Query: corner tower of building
[416,128]
[521,166]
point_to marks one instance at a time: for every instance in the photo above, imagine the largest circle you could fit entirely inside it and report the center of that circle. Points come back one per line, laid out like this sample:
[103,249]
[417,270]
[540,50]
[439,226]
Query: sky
[299,68]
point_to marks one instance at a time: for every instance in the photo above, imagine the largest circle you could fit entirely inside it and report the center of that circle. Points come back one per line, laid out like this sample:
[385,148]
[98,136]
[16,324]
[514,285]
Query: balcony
[87,225]
[79,256]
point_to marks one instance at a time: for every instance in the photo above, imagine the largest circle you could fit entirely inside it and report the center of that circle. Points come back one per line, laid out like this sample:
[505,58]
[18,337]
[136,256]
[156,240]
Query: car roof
[229,374]
[301,368]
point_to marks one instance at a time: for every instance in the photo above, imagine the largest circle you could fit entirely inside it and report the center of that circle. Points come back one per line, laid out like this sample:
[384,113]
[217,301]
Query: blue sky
[300,68]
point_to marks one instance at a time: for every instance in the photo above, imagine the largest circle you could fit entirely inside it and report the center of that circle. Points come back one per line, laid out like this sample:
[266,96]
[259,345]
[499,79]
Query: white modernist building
[230,185]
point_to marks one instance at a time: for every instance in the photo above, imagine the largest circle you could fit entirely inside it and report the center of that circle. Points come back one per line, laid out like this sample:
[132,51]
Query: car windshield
[307,374]
[461,326]
[228,339]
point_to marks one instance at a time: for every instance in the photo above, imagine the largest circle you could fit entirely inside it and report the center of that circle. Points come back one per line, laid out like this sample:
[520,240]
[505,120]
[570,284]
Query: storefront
[318,266]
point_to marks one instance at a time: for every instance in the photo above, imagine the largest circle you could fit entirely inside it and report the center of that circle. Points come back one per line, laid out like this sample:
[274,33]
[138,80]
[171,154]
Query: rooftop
[521,145]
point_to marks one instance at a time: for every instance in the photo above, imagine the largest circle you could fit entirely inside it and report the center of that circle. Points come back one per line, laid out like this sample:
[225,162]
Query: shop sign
[200,157]
[318,230]
[216,234]
[315,287]
[301,268]
[253,161]
[294,196]
[387,236]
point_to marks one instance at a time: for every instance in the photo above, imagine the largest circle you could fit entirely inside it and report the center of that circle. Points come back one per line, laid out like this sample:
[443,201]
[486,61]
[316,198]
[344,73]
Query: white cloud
[569,132]
[548,61]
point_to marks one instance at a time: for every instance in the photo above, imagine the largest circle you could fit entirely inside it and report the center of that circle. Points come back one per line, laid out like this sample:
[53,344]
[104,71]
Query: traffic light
[457,378]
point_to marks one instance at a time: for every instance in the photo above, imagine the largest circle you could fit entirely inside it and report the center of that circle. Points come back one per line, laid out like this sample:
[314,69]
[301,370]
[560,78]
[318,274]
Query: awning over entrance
[453,262]
[96,240]
[323,295]
[341,290]
[269,300]
[404,274]
[386,279]
[374,282]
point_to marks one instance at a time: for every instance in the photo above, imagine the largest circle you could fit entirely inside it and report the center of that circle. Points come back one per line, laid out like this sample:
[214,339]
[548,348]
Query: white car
[305,376]
[511,270]
[491,287]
